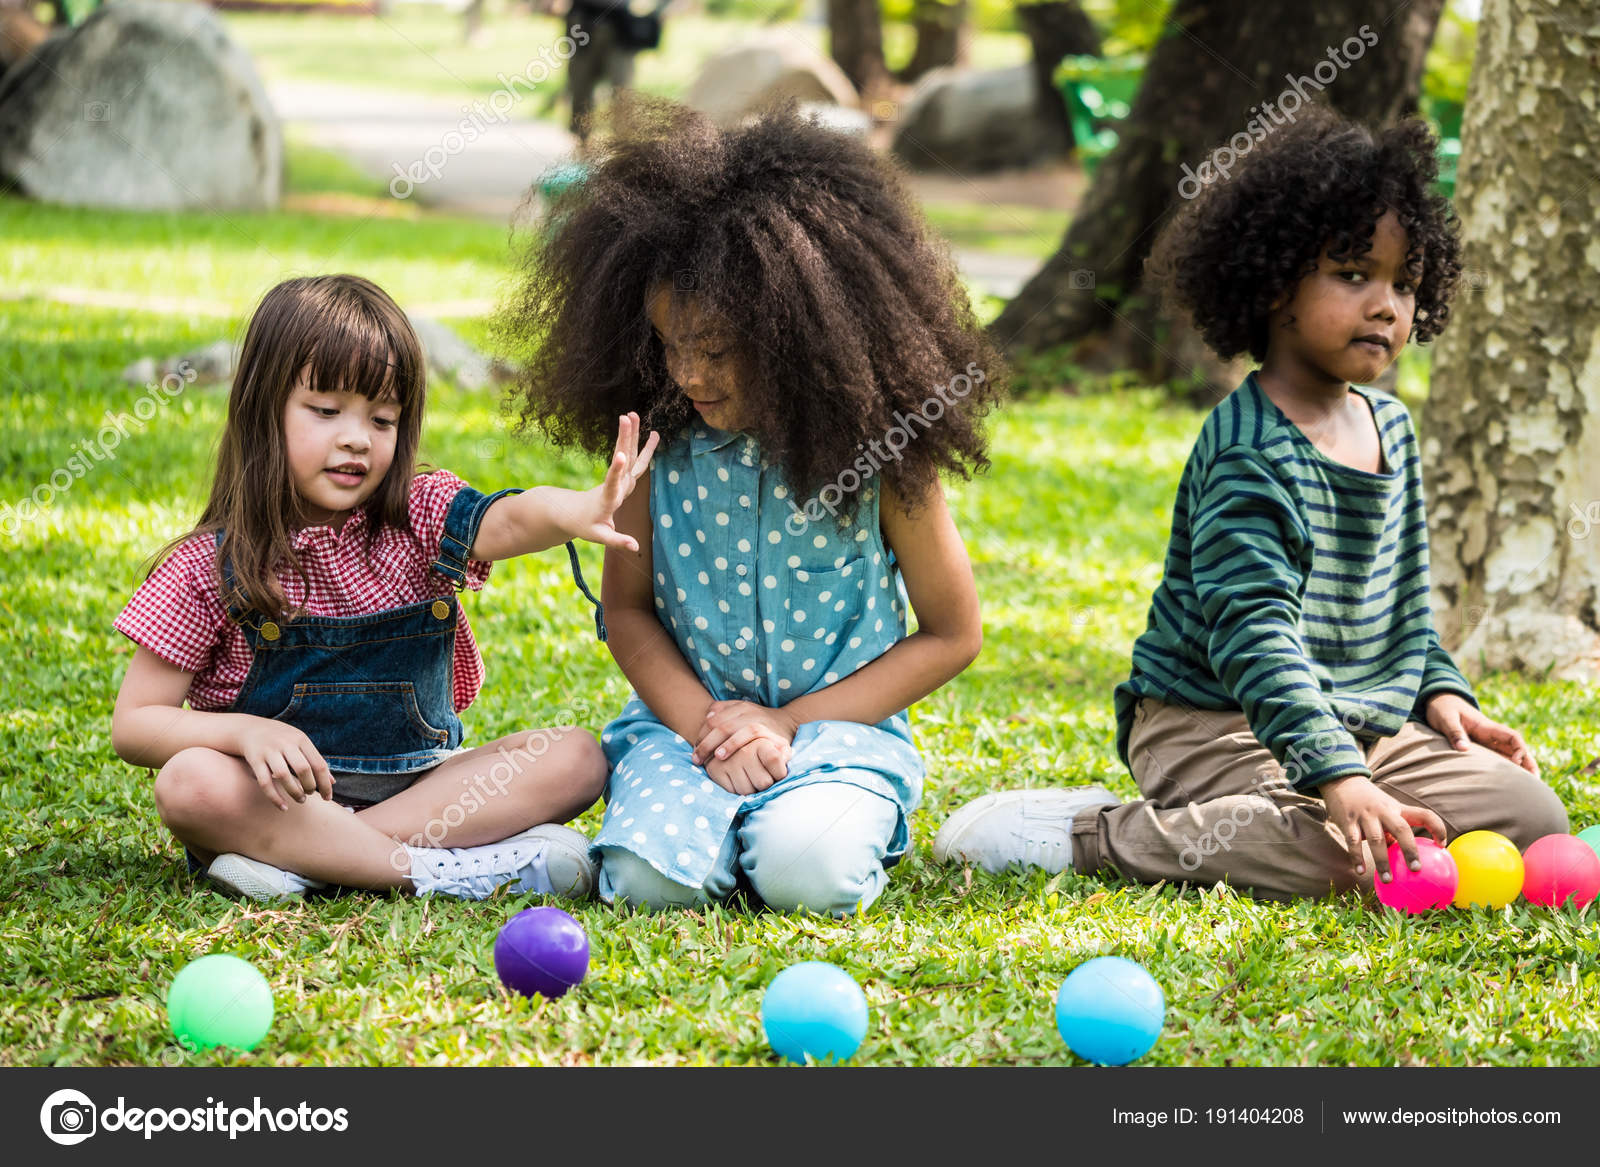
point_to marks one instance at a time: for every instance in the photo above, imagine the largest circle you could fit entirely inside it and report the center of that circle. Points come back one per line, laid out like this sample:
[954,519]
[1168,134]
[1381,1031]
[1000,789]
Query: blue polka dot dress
[765,608]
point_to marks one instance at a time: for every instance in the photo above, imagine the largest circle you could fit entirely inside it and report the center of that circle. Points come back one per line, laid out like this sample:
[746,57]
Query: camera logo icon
[68,1117]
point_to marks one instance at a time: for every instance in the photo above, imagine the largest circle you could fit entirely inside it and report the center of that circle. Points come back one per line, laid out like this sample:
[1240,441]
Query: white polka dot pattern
[788,608]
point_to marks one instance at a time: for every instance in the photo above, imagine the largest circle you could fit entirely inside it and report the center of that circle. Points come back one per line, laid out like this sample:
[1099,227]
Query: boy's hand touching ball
[1366,814]
[1460,722]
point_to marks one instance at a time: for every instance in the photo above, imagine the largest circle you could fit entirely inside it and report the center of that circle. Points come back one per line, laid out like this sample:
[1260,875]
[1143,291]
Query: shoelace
[471,876]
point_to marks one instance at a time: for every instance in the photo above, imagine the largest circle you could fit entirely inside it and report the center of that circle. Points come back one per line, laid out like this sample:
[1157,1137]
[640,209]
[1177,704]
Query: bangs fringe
[357,350]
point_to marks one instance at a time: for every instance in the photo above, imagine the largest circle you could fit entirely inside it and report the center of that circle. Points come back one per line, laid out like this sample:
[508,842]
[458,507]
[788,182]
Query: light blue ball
[1109,1010]
[814,1009]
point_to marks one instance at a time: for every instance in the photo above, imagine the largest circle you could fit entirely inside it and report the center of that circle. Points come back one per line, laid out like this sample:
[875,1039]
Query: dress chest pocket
[824,601]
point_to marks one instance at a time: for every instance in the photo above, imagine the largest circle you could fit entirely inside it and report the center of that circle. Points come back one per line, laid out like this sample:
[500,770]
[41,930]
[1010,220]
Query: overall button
[441,609]
[739,643]
[269,631]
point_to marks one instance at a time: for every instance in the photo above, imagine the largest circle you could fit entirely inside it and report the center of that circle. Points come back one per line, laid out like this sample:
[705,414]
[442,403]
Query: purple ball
[541,950]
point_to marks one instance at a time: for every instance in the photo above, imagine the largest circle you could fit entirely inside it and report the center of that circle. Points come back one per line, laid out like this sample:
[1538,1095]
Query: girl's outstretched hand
[591,517]
[730,726]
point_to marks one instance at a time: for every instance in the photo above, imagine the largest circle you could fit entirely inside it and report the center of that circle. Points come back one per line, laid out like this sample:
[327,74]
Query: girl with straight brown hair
[310,621]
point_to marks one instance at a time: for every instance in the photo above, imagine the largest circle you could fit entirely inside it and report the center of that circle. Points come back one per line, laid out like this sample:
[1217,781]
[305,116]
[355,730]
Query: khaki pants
[1217,807]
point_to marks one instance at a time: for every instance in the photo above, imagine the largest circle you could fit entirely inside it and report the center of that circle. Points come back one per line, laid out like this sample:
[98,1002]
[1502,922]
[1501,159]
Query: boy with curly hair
[1290,706]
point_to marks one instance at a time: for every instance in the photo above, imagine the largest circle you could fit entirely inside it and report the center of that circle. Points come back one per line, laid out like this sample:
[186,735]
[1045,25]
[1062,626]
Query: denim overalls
[372,692]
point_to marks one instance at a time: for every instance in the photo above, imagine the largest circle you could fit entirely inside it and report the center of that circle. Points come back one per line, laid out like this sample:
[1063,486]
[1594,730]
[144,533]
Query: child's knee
[819,849]
[570,758]
[627,878]
[201,786]
[587,764]
[1532,811]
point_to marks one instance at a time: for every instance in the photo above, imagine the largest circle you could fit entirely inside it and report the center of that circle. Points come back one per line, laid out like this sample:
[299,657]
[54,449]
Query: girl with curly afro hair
[1290,707]
[769,301]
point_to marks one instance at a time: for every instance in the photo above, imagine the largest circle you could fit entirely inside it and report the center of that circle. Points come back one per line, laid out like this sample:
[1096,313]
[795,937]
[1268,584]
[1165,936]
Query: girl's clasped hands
[745,747]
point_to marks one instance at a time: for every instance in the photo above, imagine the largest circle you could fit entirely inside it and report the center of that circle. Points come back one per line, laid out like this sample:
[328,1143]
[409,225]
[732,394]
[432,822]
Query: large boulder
[972,121]
[767,68]
[147,104]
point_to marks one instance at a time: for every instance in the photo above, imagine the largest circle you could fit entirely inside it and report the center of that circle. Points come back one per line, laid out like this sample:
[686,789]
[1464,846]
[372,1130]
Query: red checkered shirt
[178,614]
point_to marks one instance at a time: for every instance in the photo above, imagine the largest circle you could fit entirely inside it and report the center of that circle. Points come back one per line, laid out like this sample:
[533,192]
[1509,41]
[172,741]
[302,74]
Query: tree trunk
[855,37]
[1056,29]
[944,37]
[1216,62]
[1512,434]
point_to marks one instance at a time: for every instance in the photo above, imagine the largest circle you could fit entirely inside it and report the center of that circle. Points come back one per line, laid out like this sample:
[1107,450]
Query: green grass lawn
[1006,228]
[1066,532]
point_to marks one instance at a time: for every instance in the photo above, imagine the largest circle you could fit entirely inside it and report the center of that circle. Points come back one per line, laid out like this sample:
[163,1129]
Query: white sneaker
[257,880]
[547,860]
[1031,828]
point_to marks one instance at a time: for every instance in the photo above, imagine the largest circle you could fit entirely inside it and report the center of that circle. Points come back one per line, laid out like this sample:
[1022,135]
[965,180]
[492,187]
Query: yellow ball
[1490,867]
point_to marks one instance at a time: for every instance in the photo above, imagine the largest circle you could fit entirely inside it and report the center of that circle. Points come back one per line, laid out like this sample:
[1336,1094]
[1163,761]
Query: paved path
[426,137]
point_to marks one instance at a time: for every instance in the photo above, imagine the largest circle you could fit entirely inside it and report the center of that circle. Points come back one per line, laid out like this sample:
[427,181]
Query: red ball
[1561,868]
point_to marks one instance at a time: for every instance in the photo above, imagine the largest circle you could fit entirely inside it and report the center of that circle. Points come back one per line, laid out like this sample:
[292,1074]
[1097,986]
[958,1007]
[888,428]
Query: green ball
[1591,836]
[219,1000]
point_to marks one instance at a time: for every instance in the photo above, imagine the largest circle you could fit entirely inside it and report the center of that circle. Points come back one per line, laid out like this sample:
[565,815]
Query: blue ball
[814,1009]
[1109,1010]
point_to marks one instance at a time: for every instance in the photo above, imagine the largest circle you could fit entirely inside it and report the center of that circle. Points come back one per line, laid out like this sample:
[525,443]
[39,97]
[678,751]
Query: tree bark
[1512,434]
[855,38]
[944,37]
[1217,61]
[1056,29]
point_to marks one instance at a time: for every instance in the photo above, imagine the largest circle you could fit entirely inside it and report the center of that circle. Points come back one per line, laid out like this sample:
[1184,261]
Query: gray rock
[973,121]
[147,104]
[215,362]
[767,68]
[141,372]
[451,357]
[853,122]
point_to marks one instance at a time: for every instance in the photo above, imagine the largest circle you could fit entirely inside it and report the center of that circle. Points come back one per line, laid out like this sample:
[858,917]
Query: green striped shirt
[1296,590]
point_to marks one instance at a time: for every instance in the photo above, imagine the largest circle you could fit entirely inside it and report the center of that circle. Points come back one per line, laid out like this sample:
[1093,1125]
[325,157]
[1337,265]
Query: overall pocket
[374,719]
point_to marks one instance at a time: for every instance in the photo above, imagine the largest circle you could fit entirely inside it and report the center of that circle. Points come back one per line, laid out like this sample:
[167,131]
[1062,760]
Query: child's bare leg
[211,801]
[496,790]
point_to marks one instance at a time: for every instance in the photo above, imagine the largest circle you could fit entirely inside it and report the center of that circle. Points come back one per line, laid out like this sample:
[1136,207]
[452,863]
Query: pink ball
[1560,868]
[1419,891]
